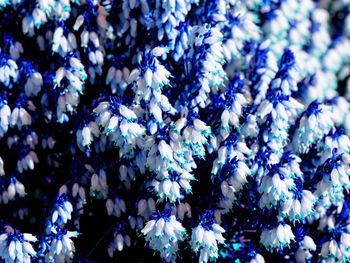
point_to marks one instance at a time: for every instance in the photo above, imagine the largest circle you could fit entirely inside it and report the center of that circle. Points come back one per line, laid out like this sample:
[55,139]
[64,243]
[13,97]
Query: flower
[206,236]
[164,233]
[61,247]
[62,210]
[277,237]
[15,246]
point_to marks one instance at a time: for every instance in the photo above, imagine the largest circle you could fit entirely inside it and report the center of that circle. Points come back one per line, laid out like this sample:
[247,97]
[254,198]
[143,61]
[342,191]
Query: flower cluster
[206,236]
[163,233]
[197,130]
[16,247]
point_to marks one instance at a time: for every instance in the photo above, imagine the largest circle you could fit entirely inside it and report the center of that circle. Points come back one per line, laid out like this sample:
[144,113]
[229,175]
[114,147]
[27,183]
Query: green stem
[100,240]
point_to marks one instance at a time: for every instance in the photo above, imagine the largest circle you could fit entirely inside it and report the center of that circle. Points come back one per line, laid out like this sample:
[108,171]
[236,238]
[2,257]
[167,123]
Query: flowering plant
[187,130]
